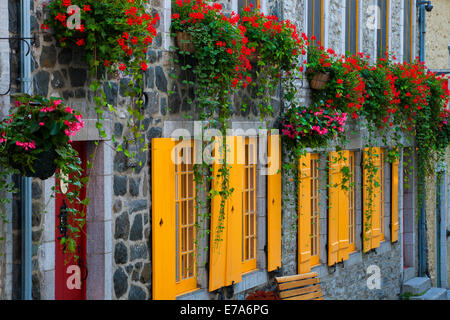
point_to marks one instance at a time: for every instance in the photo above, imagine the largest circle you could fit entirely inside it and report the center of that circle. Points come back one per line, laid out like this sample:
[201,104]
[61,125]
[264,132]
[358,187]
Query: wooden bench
[299,287]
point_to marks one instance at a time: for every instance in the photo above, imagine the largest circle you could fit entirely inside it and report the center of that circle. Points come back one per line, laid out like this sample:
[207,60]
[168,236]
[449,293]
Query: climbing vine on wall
[399,102]
[219,56]
[115,35]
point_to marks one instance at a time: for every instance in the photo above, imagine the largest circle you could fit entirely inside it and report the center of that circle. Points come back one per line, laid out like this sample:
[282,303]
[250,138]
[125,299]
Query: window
[247,3]
[351,26]
[408,31]
[315,19]
[314,209]
[249,206]
[383,27]
[185,219]
[352,204]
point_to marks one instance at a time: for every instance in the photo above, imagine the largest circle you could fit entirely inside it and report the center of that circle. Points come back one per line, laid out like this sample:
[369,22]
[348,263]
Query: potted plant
[35,137]
[319,71]
[263,295]
[115,34]
[273,43]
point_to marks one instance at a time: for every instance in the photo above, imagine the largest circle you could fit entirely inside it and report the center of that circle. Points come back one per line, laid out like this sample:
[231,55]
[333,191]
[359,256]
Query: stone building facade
[437,55]
[119,256]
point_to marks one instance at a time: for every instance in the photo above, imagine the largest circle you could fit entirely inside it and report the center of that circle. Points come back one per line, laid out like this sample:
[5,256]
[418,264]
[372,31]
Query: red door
[70,275]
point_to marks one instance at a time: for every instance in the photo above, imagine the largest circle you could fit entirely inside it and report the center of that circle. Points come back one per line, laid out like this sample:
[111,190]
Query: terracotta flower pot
[319,80]
[184,42]
[44,165]
[254,56]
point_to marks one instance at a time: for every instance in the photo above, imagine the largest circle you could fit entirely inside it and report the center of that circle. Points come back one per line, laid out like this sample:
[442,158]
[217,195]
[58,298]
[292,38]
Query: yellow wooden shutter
[371,207]
[218,235]
[163,219]
[335,179]
[304,214]
[274,204]
[376,227]
[234,211]
[394,210]
[338,221]
[344,199]
[226,231]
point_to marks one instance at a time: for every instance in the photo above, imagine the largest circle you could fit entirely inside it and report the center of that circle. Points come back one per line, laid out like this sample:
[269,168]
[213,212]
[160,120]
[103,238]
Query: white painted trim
[9,246]
[305,18]
[108,160]
[401,55]
[263,3]
[326,6]
[415,33]
[442,242]
[389,22]
[343,24]
[360,28]
[46,251]
[375,31]
[235,5]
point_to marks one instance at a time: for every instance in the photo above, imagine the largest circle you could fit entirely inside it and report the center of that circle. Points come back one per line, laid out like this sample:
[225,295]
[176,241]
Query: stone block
[432,294]
[417,285]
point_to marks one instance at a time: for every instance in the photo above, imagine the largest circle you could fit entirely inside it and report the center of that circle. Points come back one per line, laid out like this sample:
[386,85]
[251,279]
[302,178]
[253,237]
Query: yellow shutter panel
[367,203]
[274,204]
[371,207]
[163,219]
[233,272]
[304,214]
[218,235]
[344,200]
[226,231]
[376,227]
[394,210]
[333,207]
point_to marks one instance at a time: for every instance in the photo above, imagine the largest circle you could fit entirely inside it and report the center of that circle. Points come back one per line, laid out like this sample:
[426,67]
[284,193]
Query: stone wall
[62,72]
[437,38]
[437,57]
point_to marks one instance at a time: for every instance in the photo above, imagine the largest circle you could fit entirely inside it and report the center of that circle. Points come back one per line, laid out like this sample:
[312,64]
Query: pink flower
[3,139]
[41,124]
[26,145]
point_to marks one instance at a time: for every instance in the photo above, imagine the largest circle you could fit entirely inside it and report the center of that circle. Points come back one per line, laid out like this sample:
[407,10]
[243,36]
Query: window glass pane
[184,221]
[315,21]
[407,43]
[383,31]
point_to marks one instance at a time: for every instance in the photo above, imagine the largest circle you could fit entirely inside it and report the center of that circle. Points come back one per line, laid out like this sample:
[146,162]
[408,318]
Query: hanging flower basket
[35,138]
[43,167]
[318,80]
[184,42]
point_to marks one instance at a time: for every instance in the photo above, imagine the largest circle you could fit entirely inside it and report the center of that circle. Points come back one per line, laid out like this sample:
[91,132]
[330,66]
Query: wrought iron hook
[27,53]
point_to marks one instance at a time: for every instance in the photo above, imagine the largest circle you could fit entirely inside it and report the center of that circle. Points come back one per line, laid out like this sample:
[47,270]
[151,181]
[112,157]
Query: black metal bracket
[27,53]
[229,290]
